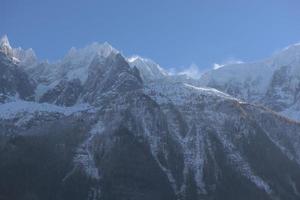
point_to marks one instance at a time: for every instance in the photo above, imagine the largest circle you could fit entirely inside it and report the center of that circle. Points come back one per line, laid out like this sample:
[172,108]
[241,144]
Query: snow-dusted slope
[18,55]
[149,70]
[73,68]
[103,126]
[18,108]
[5,46]
[74,65]
[195,114]
[274,82]
[152,72]
[14,82]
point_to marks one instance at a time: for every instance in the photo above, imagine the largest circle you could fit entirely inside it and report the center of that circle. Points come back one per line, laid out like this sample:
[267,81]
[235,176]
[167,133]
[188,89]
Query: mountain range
[97,125]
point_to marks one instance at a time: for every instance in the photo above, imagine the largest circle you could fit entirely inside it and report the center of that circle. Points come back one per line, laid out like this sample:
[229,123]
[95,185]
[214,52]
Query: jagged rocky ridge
[100,126]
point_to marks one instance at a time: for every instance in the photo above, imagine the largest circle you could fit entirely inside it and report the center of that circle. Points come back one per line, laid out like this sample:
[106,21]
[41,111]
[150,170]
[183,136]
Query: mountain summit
[273,82]
[5,46]
[18,55]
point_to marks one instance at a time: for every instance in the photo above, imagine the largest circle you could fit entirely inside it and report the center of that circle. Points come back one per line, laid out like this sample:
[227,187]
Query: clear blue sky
[171,32]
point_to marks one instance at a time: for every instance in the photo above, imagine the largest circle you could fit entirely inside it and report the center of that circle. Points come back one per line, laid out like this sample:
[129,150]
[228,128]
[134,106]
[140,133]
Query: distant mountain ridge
[99,126]
[273,82]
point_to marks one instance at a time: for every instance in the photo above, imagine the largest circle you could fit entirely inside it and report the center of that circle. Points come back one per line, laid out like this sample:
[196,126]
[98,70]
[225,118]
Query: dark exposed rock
[65,93]
[14,81]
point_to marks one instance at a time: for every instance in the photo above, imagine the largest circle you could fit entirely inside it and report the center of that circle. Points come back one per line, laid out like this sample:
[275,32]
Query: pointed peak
[98,47]
[106,44]
[4,41]
[5,46]
[148,69]
[134,58]
[88,53]
[137,58]
[18,55]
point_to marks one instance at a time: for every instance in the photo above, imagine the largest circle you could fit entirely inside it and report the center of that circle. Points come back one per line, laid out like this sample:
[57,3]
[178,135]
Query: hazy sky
[175,33]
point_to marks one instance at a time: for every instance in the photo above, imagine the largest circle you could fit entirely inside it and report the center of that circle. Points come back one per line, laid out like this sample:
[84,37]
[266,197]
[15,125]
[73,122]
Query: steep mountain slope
[149,69]
[152,72]
[274,82]
[14,82]
[114,135]
[18,55]
[209,122]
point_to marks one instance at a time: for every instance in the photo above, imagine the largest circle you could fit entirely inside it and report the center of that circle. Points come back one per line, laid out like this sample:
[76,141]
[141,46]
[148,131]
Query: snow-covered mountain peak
[18,55]
[138,59]
[289,56]
[5,46]
[4,41]
[76,62]
[258,71]
[26,57]
[292,46]
[273,82]
[94,121]
[237,71]
[148,68]
[135,58]
[89,52]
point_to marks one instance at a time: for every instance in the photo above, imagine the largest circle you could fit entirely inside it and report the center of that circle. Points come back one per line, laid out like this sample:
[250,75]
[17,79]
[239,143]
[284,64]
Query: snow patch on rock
[13,109]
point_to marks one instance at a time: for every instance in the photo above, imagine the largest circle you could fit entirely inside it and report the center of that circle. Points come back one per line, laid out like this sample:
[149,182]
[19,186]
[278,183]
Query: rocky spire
[5,46]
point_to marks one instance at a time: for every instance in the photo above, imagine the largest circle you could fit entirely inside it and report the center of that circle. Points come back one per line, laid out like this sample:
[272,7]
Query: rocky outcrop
[65,93]
[14,82]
